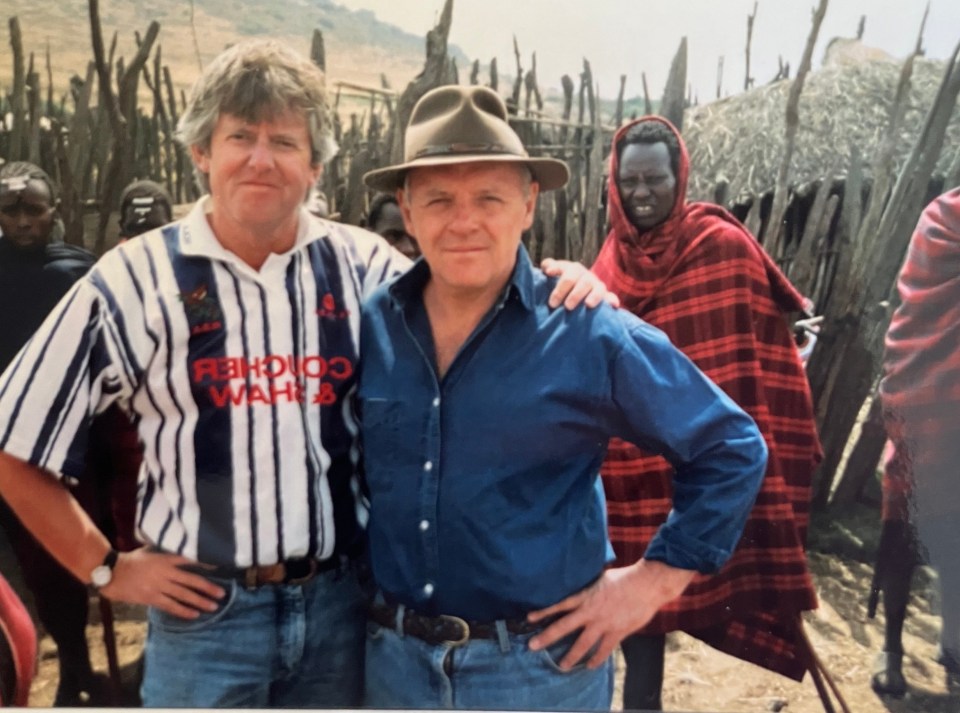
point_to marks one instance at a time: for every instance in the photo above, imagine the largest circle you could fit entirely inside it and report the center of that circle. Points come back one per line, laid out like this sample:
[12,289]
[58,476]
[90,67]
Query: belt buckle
[312,566]
[256,576]
[464,627]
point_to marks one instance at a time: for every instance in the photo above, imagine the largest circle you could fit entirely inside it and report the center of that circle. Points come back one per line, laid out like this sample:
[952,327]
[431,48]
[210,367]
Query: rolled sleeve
[51,390]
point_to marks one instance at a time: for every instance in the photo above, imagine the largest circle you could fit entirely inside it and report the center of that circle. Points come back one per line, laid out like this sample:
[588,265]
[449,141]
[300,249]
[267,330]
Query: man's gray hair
[258,80]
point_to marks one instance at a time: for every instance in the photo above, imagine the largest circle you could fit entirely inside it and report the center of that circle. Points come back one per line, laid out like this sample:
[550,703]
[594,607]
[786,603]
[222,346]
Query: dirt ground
[699,679]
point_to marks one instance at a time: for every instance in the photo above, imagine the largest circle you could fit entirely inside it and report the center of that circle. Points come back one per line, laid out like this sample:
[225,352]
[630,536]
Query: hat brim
[549,173]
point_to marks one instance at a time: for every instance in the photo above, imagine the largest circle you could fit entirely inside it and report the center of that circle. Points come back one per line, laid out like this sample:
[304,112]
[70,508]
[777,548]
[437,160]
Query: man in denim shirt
[485,418]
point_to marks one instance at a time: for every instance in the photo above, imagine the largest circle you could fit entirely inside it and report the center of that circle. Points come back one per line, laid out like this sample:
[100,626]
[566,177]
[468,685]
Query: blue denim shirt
[482,483]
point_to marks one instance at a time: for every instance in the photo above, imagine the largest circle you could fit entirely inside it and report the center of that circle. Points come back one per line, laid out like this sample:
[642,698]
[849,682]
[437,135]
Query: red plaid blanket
[921,384]
[702,279]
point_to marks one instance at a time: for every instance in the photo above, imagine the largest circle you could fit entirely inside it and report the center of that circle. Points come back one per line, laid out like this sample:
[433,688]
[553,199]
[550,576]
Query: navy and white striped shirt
[240,381]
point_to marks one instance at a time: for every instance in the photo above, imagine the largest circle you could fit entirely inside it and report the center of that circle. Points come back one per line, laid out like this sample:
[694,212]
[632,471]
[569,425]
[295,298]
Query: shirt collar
[197,237]
[409,286]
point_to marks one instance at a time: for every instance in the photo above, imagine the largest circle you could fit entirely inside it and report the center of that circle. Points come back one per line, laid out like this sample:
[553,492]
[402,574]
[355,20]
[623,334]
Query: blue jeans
[405,672]
[278,646]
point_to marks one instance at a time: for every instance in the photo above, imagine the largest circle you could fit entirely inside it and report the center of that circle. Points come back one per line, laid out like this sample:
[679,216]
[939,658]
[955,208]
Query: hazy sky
[634,36]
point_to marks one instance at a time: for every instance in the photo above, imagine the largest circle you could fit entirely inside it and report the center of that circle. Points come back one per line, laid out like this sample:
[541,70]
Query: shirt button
[428,589]
[424,525]
[436,402]
[428,466]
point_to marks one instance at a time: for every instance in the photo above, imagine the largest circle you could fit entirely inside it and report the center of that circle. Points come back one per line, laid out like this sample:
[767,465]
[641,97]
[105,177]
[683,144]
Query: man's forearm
[53,516]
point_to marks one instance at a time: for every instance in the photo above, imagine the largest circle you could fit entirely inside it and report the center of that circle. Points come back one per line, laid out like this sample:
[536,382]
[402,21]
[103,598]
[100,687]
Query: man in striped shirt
[231,338]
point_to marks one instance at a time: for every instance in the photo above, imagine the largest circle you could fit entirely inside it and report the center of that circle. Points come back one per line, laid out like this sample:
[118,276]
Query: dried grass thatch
[741,138]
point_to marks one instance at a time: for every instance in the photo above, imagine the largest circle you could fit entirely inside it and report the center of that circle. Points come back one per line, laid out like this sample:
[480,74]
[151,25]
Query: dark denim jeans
[283,646]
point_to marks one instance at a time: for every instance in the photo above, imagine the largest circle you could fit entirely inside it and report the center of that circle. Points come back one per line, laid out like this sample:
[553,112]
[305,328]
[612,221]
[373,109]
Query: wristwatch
[102,574]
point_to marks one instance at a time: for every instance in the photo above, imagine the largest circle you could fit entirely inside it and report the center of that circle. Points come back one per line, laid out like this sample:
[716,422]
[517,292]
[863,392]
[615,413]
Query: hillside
[358,46]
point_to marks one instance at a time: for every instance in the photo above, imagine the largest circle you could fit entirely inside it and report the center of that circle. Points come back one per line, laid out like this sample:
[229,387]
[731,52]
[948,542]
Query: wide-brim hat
[457,124]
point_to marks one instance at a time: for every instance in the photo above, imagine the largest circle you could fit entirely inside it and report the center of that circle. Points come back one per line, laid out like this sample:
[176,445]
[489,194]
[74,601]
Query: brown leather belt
[446,629]
[293,571]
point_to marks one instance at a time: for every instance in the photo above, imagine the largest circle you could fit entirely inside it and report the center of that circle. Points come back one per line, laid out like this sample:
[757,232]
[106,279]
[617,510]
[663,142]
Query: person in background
[485,417]
[144,205]
[36,270]
[693,270]
[385,220]
[114,454]
[920,393]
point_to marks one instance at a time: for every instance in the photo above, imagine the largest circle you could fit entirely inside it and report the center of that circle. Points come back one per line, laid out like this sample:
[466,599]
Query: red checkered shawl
[921,384]
[702,279]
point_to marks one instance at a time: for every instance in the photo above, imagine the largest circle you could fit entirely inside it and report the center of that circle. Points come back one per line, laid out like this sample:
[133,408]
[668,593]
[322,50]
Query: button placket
[430,498]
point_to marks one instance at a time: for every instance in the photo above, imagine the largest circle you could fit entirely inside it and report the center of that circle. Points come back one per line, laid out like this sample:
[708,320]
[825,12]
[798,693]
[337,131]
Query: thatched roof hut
[741,138]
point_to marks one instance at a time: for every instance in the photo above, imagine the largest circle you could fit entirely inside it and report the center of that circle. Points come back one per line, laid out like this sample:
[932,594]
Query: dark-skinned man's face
[646,183]
[27,212]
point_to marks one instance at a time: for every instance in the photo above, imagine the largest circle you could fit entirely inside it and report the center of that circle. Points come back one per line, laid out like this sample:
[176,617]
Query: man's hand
[616,605]
[158,580]
[576,284]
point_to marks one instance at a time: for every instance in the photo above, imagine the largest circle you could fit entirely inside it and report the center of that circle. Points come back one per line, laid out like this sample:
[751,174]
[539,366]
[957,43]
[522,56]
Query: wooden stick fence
[841,240]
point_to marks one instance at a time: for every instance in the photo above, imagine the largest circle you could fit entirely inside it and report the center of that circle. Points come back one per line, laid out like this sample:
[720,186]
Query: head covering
[658,239]
[455,124]
[144,205]
[650,257]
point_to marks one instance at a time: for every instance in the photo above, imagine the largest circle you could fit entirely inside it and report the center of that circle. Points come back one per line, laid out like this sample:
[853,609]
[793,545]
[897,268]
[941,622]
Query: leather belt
[446,629]
[293,571]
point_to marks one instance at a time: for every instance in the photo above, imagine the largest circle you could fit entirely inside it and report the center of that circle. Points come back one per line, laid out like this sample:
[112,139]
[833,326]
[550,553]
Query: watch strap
[111,559]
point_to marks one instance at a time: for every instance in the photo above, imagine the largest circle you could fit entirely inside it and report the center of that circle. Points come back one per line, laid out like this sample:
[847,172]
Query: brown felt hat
[456,124]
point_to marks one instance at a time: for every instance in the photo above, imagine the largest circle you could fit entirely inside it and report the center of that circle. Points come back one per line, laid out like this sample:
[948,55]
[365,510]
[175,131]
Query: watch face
[101,576]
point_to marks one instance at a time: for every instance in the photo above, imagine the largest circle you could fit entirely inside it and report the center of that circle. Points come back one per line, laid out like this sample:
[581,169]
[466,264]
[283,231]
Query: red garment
[702,278]
[921,385]
[18,648]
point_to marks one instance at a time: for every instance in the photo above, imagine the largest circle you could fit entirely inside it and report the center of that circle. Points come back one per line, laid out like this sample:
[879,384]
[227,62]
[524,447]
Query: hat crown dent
[457,124]
[450,120]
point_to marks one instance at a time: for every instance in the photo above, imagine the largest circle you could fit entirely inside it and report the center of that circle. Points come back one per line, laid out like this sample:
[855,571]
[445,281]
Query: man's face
[26,212]
[468,219]
[259,174]
[646,183]
[389,225]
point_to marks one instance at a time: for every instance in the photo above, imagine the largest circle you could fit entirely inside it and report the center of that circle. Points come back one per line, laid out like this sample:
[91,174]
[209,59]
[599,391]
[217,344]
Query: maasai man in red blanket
[920,391]
[693,270]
